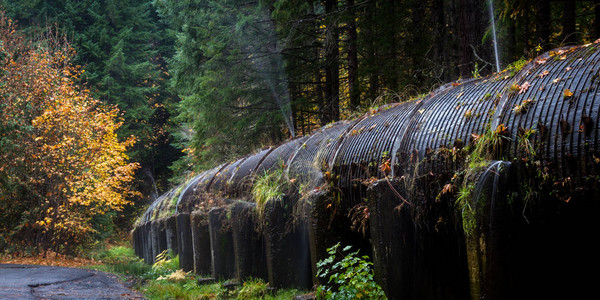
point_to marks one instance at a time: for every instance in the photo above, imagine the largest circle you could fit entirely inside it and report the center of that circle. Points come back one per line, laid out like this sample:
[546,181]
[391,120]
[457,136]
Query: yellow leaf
[568,93]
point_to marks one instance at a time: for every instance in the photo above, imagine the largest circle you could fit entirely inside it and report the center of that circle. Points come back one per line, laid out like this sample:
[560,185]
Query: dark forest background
[201,82]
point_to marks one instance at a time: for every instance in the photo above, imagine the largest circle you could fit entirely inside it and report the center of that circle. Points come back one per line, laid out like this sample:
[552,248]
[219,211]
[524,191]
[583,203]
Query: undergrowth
[121,260]
[164,279]
[348,275]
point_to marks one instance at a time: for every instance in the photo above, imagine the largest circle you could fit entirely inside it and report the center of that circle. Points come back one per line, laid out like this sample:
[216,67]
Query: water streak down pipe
[494,35]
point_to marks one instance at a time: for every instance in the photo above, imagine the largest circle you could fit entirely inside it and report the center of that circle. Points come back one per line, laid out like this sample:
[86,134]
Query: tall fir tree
[229,73]
[122,46]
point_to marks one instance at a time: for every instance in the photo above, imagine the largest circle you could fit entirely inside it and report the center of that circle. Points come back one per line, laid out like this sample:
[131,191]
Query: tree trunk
[391,74]
[372,63]
[526,35]
[543,17]
[596,19]
[332,78]
[353,83]
[568,23]
[464,38]
[511,46]
[440,46]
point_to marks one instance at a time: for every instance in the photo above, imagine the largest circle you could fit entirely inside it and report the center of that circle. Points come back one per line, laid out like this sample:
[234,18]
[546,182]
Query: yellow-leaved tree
[61,162]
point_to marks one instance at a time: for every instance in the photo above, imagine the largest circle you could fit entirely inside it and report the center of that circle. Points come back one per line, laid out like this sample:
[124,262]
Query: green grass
[463,203]
[116,254]
[122,261]
[270,186]
[188,289]
[489,146]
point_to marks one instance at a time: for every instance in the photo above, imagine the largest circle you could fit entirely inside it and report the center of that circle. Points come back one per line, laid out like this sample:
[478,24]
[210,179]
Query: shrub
[166,263]
[63,170]
[348,278]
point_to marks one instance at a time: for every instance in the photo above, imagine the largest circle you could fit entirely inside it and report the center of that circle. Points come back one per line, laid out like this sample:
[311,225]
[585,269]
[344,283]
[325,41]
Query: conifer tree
[229,73]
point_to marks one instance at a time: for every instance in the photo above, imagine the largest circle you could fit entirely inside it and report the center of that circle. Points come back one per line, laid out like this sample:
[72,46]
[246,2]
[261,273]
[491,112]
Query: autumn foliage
[61,163]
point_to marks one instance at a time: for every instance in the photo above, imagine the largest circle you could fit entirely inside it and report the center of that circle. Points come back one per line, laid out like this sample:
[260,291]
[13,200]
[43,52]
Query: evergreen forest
[105,104]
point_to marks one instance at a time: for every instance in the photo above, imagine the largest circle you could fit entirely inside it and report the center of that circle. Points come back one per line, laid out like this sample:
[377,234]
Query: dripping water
[270,67]
[491,5]
[486,192]
[494,169]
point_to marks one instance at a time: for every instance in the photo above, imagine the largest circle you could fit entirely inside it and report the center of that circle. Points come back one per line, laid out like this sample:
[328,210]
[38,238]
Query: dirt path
[44,282]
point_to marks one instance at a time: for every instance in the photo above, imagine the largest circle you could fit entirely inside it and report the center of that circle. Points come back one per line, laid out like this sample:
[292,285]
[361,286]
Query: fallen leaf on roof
[523,88]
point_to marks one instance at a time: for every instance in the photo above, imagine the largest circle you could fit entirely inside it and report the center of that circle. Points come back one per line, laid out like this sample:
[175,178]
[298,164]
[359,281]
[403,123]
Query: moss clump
[516,66]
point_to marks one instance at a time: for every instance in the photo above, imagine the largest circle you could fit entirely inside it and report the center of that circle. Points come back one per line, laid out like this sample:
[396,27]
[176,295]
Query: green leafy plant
[475,72]
[165,263]
[348,278]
